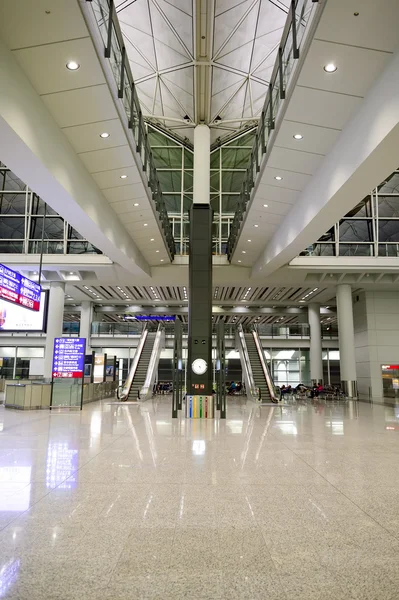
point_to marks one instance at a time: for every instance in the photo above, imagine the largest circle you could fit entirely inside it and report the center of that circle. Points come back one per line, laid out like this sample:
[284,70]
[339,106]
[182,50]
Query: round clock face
[199,366]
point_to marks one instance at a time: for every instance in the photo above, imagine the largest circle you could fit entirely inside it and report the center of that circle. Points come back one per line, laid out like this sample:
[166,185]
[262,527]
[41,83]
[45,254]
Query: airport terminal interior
[199,299]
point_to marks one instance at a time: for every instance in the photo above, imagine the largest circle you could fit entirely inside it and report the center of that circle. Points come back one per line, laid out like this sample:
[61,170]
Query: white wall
[376,323]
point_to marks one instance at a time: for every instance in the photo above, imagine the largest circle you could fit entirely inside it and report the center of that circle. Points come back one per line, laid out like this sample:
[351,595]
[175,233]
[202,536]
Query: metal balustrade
[115,51]
[288,52]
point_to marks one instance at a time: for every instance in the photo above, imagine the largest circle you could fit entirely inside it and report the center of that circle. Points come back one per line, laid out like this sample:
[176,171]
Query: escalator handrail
[124,392]
[253,390]
[270,383]
[153,363]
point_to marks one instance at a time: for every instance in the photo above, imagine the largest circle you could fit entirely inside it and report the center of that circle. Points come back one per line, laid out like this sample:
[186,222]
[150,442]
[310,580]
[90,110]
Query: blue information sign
[18,289]
[155,317]
[69,357]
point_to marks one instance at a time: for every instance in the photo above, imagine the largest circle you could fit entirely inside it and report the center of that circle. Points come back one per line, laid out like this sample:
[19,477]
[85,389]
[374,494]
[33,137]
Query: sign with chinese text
[69,357]
[155,317]
[18,289]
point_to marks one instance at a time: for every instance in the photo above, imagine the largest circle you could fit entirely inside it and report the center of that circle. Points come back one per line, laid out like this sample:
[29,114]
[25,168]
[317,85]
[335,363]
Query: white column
[316,361]
[346,339]
[54,323]
[202,164]
[86,318]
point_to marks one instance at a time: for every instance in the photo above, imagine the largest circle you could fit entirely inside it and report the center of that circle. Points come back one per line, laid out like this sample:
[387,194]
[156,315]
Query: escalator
[258,381]
[257,370]
[144,368]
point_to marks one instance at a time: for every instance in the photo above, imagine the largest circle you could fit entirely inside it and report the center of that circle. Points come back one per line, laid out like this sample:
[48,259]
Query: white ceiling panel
[318,107]
[277,208]
[376,25]
[315,139]
[276,193]
[28,23]
[367,64]
[111,179]
[290,180]
[125,192]
[294,160]
[85,138]
[47,70]
[107,159]
[81,106]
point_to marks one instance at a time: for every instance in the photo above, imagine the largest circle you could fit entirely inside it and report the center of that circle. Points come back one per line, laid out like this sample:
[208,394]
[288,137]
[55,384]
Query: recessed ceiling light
[239,261]
[278,178]
[330,68]
[152,239]
[145,224]
[136,204]
[298,136]
[104,135]
[161,259]
[123,176]
[244,251]
[156,250]
[256,225]
[71,272]
[72,65]
[35,273]
[265,205]
[249,240]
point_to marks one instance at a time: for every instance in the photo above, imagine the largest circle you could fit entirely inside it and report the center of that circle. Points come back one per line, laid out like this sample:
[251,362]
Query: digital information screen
[18,289]
[69,357]
[17,318]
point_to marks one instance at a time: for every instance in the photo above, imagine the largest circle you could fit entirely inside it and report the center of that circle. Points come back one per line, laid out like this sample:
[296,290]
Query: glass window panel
[363,209]
[187,203]
[10,181]
[215,159]
[388,231]
[232,180]
[244,140]
[388,206]
[49,247]
[156,138]
[188,159]
[38,207]
[329,236]
[388,250]
[225,229]
[319,250]
[176,228]
[11,203]
[355,249]
[215,204]
[356,230]
[188,181]
[72,234]
[53,228]
[12,228]
[170,181]
[235,158]
[215,181]
[391,186]
[172,202]
[168,157]
[81,248]
[229,203]
[13,247]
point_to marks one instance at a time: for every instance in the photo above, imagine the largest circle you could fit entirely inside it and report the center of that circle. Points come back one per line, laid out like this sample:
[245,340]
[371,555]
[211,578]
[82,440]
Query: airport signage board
[69,357]
[18,289]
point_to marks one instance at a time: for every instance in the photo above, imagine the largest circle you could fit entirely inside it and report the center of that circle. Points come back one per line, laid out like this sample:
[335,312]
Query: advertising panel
[18,318]
[19,290]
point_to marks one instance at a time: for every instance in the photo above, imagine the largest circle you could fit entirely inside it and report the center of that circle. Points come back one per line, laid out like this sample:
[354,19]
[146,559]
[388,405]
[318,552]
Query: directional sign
[18,289]
[69,357]
[155,317]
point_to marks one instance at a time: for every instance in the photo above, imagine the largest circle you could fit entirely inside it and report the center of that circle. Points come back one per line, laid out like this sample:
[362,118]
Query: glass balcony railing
[298,330]
[288,52]
[114,49]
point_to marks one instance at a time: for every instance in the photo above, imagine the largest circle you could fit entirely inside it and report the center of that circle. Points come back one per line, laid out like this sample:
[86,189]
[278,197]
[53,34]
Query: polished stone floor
[294,502]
